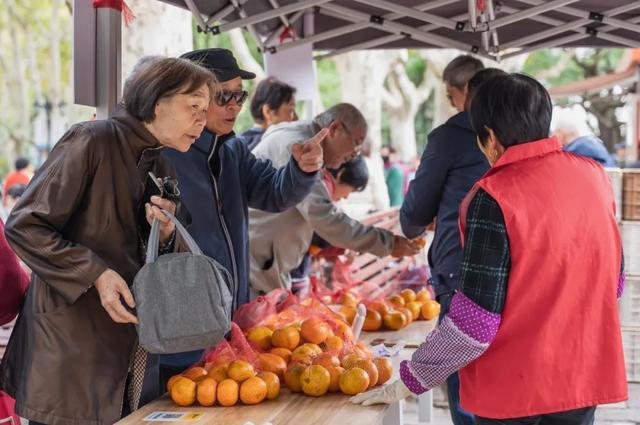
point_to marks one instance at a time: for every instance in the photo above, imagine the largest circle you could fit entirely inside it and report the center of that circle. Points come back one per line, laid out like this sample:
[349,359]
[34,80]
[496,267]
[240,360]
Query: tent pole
[308,25]
[108,61]
[473,14]
[494,32]
[277,32]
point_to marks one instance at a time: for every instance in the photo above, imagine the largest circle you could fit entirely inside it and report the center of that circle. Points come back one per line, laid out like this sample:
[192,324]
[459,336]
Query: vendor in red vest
[534,329]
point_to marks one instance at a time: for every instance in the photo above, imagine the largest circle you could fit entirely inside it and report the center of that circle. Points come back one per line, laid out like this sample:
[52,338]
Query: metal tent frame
[492,29]
[478,27]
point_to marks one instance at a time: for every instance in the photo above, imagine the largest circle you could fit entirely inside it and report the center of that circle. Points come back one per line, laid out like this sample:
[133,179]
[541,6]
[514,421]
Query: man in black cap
[219,179]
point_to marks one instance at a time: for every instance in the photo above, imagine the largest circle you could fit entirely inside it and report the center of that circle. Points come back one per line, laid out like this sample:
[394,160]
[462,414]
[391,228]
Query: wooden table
[297,409]
[413,335]
[288,409]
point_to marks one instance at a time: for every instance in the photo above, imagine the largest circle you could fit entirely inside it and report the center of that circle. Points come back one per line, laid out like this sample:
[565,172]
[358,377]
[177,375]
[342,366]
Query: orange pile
[395,312]
[225,384]
[313,357]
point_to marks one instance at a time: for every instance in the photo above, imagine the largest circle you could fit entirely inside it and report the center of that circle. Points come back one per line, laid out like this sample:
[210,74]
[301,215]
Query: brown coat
[67,361]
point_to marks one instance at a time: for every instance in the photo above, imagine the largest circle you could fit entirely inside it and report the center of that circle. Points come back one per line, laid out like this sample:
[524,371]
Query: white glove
[387,394]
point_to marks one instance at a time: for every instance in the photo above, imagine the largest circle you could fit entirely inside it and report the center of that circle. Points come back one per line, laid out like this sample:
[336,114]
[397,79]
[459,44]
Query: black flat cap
[219,61]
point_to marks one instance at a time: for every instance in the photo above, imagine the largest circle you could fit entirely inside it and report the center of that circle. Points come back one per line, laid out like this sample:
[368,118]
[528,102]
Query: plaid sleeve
[474,316]
[621,279]
[485,263]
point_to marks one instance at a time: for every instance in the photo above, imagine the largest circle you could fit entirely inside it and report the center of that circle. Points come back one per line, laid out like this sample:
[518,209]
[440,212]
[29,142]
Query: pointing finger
[317,139]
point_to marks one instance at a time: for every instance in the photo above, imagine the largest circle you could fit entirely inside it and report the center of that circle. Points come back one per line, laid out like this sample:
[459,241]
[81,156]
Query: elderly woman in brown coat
[73,357]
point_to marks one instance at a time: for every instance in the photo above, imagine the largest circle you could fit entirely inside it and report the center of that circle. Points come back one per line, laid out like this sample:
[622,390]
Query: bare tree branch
[388,100]
[241,50]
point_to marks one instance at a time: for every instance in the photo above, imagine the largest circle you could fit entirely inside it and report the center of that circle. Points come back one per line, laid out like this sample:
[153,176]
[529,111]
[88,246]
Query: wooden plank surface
[288,408]
[413,335]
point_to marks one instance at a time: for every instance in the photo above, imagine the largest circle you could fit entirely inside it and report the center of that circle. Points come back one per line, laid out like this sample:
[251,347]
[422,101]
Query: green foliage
[594,62]
[329,83]
[415,67]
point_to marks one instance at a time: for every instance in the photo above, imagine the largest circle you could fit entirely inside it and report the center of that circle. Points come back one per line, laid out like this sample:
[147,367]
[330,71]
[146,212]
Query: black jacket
[452,162]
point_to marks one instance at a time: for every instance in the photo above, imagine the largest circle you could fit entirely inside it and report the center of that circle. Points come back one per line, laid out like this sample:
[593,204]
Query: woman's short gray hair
[346,113]
[142,63]
[460,70]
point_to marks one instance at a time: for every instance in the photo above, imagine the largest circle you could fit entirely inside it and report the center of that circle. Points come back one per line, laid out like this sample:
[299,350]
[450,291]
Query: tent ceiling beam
[223,13]
[414,13]
[342,12]
[265,16]
[528,13]
[357,26]
[604,17]
[576,26]
[380,41]
[250,27]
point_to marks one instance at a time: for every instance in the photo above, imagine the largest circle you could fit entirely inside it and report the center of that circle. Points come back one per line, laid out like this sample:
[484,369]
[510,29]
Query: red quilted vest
[559,344]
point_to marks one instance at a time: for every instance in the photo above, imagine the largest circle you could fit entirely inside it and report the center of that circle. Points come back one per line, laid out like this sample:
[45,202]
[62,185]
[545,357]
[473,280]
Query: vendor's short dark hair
[21,163]
[162,77]
[459,71]
[271,92]
[479,78]
[353,173]
[515,106]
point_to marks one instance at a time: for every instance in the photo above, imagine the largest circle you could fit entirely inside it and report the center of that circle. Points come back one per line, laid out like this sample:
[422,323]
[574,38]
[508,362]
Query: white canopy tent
[488,28]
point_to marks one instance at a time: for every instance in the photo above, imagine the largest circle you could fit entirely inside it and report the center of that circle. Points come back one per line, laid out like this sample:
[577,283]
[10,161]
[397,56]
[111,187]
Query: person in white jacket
[278,241]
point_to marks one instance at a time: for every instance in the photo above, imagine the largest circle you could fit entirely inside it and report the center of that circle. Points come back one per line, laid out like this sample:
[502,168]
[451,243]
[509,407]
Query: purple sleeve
[462,336]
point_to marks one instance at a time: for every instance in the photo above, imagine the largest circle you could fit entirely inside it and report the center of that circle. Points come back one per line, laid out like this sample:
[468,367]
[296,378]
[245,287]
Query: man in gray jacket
[279,241]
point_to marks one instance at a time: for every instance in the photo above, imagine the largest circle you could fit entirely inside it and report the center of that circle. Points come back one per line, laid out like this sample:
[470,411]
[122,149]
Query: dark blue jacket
[591,147]
[252,137]
[219,179]
[450,165]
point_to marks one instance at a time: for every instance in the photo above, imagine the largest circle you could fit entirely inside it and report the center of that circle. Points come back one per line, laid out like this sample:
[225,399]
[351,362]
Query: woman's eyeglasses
[357,145]
[225,96]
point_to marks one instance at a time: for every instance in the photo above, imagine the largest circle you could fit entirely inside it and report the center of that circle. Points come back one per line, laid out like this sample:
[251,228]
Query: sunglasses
[224,97]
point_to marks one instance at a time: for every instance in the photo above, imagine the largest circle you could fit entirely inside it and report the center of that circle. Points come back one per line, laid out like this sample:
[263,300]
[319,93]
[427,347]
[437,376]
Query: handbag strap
[154,238]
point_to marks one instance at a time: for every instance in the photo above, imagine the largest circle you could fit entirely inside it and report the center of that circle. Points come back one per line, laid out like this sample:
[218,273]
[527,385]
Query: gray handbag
[183,300]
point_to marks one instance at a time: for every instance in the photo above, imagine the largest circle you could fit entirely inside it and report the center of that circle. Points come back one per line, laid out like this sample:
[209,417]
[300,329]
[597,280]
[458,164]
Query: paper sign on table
[173,417]
[382,350]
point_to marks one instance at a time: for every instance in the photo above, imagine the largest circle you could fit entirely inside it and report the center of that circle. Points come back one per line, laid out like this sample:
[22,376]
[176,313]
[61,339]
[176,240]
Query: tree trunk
[242,52]
[402,105]
[158,29]
[55,124]
[362,75]
[19,73]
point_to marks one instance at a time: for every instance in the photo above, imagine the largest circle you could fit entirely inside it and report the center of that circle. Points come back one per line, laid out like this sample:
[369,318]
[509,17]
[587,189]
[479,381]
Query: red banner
[118,5]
